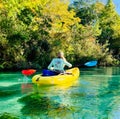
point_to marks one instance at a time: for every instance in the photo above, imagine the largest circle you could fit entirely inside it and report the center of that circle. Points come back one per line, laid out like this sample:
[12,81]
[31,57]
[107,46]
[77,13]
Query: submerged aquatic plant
[61,111]
[36,105]
[6,115]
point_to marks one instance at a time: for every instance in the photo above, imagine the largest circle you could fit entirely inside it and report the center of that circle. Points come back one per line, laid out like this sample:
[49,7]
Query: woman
[57,64]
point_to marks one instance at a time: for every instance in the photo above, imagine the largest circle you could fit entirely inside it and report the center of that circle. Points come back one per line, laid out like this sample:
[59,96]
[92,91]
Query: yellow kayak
[71,75]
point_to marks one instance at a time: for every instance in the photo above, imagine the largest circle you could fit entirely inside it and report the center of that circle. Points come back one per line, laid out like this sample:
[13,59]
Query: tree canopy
[32,31]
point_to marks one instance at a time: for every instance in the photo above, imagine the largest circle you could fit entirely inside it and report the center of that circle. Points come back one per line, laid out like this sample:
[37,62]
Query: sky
[117,5]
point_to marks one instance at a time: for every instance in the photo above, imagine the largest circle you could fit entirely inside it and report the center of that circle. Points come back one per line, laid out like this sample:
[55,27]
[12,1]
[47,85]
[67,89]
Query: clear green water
[96,95]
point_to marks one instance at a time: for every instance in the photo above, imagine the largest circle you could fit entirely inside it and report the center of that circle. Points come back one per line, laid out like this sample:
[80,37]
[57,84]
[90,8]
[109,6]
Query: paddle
[28,72]
[91,63]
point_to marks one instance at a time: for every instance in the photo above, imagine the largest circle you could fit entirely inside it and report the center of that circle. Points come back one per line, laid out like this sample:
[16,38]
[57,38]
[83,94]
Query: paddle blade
[28,72]
[91,63]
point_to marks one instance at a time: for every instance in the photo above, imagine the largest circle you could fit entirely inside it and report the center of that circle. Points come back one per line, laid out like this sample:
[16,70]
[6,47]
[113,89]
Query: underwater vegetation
[35,105]
[6,115]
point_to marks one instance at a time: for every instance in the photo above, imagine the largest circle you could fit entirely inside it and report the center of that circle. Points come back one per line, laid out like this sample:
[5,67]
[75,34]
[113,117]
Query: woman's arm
[68,64]
[50,65]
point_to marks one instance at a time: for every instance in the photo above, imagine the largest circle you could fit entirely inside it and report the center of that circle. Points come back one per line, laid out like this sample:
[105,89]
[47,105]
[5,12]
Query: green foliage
[31,32]
[110,25]
[83,45]
[87,10]
[26,15]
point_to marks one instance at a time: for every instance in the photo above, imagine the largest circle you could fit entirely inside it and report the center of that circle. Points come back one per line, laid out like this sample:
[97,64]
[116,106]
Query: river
[95,95]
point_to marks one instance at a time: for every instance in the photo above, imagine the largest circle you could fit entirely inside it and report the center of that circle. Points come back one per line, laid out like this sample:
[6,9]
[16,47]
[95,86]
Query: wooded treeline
[32,31]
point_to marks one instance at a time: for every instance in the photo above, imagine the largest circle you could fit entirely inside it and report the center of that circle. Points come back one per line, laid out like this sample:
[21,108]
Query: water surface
[95,95]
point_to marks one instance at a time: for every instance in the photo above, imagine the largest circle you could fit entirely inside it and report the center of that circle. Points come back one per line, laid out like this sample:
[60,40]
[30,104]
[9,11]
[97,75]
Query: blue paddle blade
[91,63]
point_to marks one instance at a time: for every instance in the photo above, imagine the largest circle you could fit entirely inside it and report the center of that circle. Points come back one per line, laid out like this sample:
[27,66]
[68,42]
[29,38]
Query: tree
[33,29]
[110,25]
[87,10]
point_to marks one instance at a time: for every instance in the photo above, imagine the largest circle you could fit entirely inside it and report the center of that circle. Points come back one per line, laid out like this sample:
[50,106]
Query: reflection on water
[96,95]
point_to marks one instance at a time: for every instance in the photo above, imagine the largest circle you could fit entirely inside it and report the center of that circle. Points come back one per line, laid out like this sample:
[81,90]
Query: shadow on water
[7,91]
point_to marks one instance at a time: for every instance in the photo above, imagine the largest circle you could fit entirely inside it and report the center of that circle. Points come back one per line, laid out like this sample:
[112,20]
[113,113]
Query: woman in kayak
[57,64]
